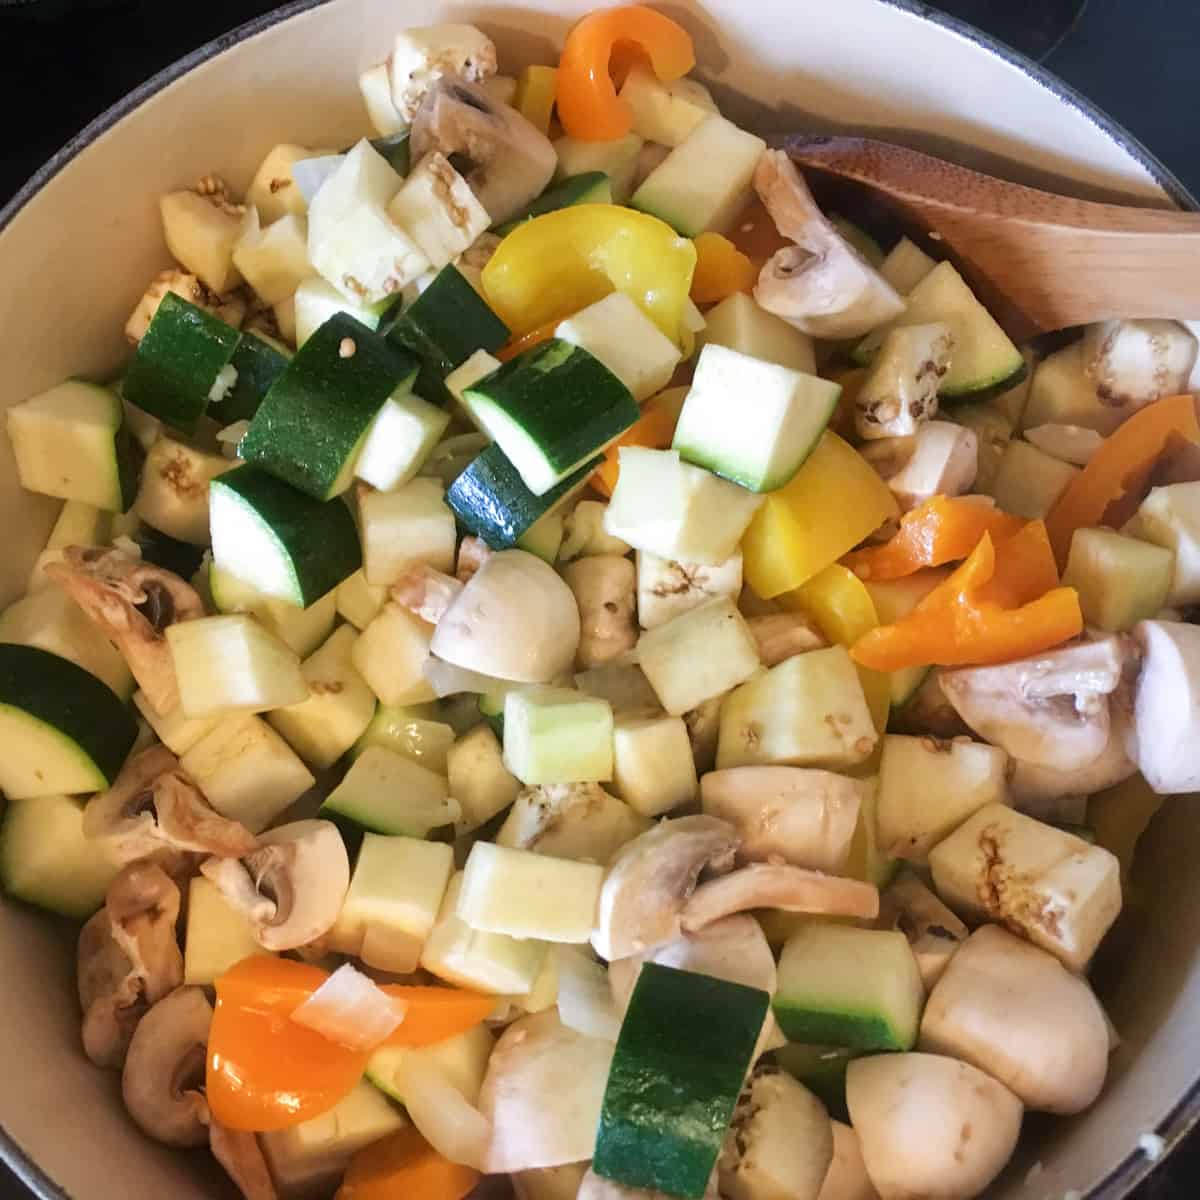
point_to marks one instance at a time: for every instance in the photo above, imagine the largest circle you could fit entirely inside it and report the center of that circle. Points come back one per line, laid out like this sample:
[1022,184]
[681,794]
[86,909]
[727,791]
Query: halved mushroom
[473,552]
[164,1070]
[941,458]
[796,815]
[244,1162]
[651,880]
[153,805]
[132,602]
[515,619]
[604,586]
[792,889]
[425,592]
[1014,1011]
[781,636]
[1166,710]
[509,162]
[929,1126]
[128,958]
[1050,710]
[821,285]
[290,888]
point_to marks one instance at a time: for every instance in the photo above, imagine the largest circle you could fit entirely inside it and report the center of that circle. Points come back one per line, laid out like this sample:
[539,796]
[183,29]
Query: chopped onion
[309,173]
[348,1008]
[443,1116]
[585,1002]
[446,679]
[223,384]
[1071,443]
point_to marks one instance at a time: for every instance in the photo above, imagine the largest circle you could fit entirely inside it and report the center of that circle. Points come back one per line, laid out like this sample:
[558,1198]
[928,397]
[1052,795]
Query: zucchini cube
[555,735]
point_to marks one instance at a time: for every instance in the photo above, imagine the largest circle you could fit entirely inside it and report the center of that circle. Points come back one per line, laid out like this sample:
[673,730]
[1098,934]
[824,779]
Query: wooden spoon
[1040,261]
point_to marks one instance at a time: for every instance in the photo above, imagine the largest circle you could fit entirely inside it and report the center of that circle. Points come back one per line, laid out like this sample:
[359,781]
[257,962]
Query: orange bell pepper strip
[961,623]
[721,269]
[654,429]
[527,341]
[404,1166]
[588,105]
[1121,466]
[267,1072]
[942,530]
[1025,568]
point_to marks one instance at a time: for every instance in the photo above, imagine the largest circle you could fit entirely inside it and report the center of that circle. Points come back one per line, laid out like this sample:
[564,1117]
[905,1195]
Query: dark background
[65,61]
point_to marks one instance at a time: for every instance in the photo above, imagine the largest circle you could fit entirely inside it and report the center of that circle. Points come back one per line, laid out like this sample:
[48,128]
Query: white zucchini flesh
[665,112]
[232,664]
[273,260]
[300,629]
[391,654]
[478,778]
[173,496]
[653,767]
[1170,517]
[339,706]
[528,895]
[461,1061]
[177,732]
[316,301]
[218,936]
[246,771]
[409,732]
[389,793]
[1029,481]
[556,735]
[412,523]
[906,265]
[618,160]
[699,655]
[400,439]
[742,325]
[487,962]
[358,601]
[1063,393]
[375,84]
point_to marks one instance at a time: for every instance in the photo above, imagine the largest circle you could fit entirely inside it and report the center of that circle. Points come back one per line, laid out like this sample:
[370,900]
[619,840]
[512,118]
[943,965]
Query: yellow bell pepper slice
[534,98]
[843,610]
[834,501]
[563,261]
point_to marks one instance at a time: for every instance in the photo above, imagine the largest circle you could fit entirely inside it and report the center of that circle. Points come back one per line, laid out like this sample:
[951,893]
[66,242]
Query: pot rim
[1125,1176]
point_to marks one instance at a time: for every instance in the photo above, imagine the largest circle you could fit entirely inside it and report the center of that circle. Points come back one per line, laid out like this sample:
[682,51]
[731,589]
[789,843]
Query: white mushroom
[515,619]
[796,815]
[510,161]
[1050,710]
[940,459]
[570,820]
[821,285]
[651,880]
[792,889]
[933,931]
[1166,711]
[153,805]
[847,1178]
[473,552]
[604,586]
[930,1127]
[537,1061]
[1017,1013]
[132,602]
[291,887]
[425,592]
[164,1070]
[780,636]
[780,1142]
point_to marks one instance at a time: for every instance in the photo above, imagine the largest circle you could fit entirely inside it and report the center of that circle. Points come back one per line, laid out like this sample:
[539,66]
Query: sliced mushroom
[796,815]
[153,805]
[781,636]
[132,602]
[509,162]
[473,552]
[570,820]
[1050,710]
[425,592]
[110,993]
[290,888]
[651,880]
[821,285]
[940,459]
[164,1070]
[792,889]
[488,627]
[929,1126]
[933,931]
[244,1162]
[1014,1011]
[1167,706]
[604,586]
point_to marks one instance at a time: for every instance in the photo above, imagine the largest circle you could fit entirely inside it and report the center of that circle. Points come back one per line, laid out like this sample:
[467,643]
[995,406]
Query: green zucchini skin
[443,327]
[311,424]
[177,363]
[64,696]
[590,187]
[258,365]
[319,537]
[685,1046]
[491,500]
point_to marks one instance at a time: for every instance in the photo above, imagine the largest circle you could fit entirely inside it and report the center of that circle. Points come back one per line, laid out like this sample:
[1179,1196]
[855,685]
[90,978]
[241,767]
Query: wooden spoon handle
[1059,261]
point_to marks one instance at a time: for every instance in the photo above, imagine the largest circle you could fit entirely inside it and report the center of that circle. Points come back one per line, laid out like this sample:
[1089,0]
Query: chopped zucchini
[358,601]
[618,159]
[391,654]
[868,859]
[653,767]
[316,301]
[1120,580]
[410,524]
[591,187]
[665,112]
[300,629]
[555,735]
[409,731]
[906,265]
[739,323]
[177,732]
[462,1061]
[478,778]
[386,792]
[273,260]
[1028,481]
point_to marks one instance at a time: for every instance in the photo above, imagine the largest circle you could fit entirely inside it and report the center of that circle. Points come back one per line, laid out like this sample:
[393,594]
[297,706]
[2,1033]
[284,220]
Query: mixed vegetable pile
[560,659]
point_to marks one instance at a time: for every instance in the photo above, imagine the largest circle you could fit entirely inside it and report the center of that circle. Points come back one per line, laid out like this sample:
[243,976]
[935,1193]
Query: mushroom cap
[1014,1011]
[291,887]
[930,1127]
[1167,705]
[164,1069]
[770,885]
[515,619]
[651,879]
[109,993]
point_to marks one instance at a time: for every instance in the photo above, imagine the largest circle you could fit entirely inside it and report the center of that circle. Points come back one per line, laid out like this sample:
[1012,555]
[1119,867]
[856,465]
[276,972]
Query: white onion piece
[350,1009]
[585,1001]
[1069,443]
[443,1117]
[446,679]
[309,173]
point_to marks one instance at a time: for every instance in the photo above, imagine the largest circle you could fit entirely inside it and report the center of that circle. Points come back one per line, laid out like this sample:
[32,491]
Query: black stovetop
[67,60]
